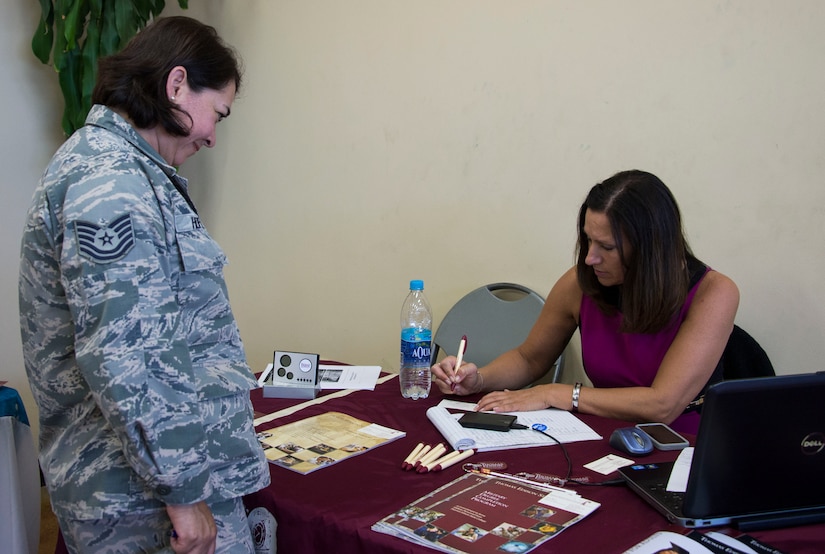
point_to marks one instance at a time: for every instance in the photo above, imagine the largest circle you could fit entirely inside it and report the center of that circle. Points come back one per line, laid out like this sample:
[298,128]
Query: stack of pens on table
[425,458]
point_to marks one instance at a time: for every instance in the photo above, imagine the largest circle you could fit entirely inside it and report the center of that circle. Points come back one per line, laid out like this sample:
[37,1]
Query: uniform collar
[106,118]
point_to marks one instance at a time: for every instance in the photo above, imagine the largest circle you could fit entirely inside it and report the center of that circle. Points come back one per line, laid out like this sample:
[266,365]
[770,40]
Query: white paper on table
[681,469]
[339,377]
[608,464]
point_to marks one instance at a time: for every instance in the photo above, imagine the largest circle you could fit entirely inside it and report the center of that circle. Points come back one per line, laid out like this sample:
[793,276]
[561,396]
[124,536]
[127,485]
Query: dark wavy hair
[642,211]
[134,79]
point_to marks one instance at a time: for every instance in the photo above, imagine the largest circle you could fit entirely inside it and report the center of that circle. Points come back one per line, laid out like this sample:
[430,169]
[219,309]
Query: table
[332,509]
[19,477]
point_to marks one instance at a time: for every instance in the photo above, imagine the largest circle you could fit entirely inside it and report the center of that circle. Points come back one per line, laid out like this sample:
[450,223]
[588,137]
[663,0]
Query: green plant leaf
[44,38]
[157,6]
[75,21]
[46,9]
[69,79]
[95,15]
[127,21]
[63,7]
[59,49]
[109,38]
[76,33]
[143,9]
[91,52]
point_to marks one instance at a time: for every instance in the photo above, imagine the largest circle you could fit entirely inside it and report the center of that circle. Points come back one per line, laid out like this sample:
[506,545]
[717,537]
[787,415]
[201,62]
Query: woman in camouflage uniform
[130,344]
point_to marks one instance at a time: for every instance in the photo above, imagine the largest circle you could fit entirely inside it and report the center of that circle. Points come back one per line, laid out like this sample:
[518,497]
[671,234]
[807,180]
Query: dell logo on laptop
[813,443]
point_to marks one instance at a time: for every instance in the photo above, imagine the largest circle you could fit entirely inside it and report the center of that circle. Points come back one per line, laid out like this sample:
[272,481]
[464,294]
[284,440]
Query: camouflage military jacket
[129,341]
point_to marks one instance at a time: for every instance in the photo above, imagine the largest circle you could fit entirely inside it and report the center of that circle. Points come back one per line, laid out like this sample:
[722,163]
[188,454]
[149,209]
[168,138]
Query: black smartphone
[663,437]
[486,420]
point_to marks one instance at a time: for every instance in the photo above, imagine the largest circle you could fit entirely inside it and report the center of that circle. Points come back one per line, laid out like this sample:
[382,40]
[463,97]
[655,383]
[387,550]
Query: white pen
[462,346]
[412,456]
[446,461]
[431,465]
[437,451]
[413,463]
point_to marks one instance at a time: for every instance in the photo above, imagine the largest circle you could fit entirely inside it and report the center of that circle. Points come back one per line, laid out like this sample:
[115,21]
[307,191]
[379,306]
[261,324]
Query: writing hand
[452,380]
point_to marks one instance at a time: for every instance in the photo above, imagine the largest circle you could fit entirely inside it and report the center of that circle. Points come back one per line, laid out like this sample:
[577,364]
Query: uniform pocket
[198,251]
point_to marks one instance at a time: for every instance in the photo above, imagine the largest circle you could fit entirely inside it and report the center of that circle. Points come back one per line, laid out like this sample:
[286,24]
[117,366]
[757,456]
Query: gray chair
[496,318]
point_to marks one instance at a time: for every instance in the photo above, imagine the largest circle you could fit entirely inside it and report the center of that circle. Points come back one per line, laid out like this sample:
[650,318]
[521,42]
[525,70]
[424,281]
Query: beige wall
[29,134]
[453,141]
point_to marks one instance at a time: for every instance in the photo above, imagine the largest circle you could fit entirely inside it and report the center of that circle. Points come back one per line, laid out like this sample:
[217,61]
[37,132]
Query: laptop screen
[760,447]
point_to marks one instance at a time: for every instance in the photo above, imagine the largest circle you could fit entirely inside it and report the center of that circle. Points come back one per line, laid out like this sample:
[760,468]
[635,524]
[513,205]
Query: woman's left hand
[523,400]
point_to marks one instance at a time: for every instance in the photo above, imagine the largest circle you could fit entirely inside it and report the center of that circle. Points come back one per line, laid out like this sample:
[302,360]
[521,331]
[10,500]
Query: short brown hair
[134,79]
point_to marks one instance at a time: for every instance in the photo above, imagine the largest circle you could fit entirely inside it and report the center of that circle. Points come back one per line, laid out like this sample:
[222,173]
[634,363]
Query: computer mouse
[631,440]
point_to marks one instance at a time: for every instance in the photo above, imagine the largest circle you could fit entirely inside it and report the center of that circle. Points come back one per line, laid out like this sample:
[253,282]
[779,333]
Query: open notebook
[561,425]
[759,460]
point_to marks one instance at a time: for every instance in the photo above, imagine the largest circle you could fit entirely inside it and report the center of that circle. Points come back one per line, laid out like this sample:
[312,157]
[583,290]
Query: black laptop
[759,459]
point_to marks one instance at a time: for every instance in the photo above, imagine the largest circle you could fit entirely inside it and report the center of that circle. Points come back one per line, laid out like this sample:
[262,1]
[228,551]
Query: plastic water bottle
[416,343]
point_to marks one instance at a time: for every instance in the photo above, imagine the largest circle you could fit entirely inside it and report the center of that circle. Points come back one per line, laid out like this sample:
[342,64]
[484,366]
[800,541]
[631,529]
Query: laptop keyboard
[672,500]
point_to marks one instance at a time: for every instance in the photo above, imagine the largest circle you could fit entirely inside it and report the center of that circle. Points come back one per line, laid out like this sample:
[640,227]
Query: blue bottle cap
[416,284]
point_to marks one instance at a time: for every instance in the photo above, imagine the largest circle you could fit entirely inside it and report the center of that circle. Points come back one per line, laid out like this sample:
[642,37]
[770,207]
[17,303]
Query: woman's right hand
[451,380]
[194,528]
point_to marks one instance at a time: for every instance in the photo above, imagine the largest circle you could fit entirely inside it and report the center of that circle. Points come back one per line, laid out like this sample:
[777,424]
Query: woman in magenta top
[653,319]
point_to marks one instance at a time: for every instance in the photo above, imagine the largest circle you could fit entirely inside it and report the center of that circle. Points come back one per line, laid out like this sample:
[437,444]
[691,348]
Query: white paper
[340,377]
[570,503]
[608,464]
[382,432]
[681,469]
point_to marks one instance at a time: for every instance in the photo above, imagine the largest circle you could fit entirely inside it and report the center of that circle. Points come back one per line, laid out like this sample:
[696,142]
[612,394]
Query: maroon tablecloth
[333,509]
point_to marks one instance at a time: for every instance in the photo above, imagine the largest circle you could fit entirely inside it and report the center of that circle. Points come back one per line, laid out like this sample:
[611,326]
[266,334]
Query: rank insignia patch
[105,243]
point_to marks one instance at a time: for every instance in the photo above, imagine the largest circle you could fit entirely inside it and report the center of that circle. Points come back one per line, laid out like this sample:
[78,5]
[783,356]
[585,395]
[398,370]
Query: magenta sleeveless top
[615,359]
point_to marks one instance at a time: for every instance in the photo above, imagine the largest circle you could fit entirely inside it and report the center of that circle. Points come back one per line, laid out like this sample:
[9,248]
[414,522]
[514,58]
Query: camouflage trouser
[150,533]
